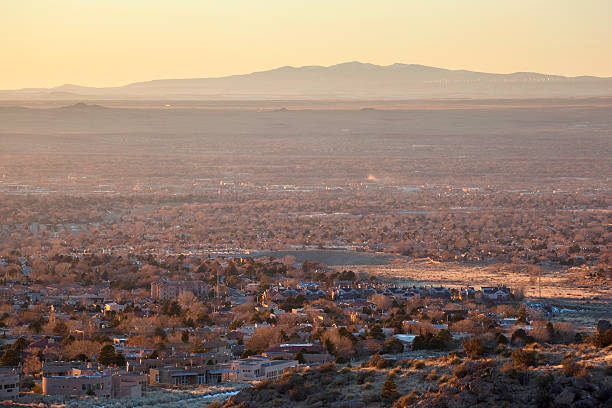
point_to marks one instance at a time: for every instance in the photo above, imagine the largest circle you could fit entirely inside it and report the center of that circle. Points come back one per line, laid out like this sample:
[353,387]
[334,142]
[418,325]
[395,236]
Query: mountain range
[351,80]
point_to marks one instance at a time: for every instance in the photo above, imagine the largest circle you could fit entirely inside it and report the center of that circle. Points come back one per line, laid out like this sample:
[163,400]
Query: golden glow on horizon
[46,43]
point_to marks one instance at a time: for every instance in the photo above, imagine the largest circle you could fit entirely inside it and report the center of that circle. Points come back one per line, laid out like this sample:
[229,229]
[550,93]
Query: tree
[524,358]
[159,332]
[474,347]
[523,315]
[299,356]
[393,346]
[20,344]
[171,308]
[10,357]
[185,336]
[389,388]
[32,365]
[377,333]
[60,329]
[108,356]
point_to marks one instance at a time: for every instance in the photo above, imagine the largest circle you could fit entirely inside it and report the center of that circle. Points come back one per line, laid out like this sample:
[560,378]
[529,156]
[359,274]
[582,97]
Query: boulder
[603,326]
[565,399]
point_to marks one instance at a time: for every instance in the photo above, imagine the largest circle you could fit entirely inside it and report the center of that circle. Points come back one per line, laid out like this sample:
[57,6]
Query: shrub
[389,388]
[377,361]
[262,385]
[464,369]
[297,394]
[520,336]
[393,346]
[341,360]
[474,347]
[406,400]
[327,367]
[501,339]
[418,364]
[362,376]
[524,358]
[432,376]
[571,367]
[430,342]
[602,339]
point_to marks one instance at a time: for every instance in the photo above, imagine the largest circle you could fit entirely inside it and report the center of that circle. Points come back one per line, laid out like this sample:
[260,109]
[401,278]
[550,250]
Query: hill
[351,80]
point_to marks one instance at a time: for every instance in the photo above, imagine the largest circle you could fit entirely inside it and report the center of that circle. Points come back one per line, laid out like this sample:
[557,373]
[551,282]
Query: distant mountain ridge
[350,80]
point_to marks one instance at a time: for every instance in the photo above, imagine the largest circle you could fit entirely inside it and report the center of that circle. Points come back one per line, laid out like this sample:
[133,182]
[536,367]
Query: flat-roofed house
[9,382]
[257,368]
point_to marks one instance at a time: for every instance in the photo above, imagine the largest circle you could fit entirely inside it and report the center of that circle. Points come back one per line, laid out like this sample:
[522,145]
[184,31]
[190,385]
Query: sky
[46,43]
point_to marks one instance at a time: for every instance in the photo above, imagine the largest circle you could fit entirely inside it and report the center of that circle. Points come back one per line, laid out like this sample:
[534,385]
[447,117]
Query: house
[113,307]
[495,292]
[9,382]
[406,339]
[257,368]
[312,353]
[94,381]
[63,368]
[180,376]
[79,383]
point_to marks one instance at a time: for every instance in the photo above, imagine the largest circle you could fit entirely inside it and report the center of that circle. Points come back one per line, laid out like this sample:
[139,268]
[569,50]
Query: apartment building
[95,382]
[9,382]
[166,289]
[257,368]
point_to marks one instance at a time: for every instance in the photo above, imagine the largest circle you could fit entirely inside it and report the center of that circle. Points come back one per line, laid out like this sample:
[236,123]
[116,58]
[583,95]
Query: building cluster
[231,327]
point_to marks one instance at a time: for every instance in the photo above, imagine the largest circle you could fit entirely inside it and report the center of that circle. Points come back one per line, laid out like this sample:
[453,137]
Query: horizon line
[354,62]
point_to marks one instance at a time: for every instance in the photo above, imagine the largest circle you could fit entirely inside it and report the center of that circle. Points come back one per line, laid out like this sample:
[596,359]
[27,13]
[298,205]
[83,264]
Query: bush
[418,365]
[377,361]
[327,367]
[341,360]
[432,376]
[393,346]
[429,342]
[464,369]
[363,376]
[474,347]
[602,339]
[571,367]
[524,358]
[501,339]
[520,336]
[406,400]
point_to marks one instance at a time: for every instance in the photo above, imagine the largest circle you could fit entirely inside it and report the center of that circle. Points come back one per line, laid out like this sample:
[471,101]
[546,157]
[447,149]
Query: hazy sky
[113,42]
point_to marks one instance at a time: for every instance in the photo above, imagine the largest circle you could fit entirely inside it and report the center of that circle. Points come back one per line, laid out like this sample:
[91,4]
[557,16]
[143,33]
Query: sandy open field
[573,297]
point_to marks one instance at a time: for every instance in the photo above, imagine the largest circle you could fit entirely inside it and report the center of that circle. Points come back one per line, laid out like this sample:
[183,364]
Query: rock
[603,325]
[264,396]
[580,383]
[565,399]
[355,403]
[588,402]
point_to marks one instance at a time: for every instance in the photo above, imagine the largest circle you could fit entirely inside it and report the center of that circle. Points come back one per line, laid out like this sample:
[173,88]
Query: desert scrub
[570,366]
[379,362]
[406,400]
[363,376]
[418,364]
[432,376]
[474,348]
[524,358]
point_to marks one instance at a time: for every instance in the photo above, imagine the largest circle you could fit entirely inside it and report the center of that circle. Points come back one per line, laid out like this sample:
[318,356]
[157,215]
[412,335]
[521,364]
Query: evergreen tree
[11,357]
[389,388]
[107,355]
